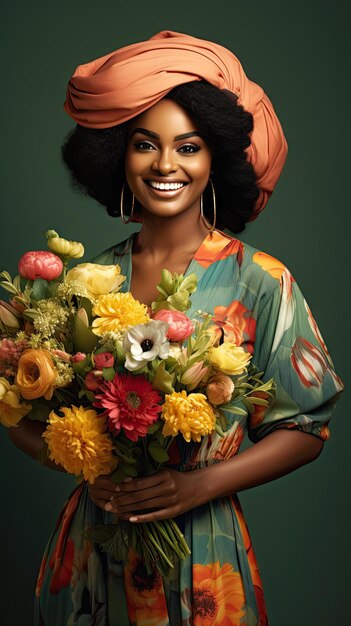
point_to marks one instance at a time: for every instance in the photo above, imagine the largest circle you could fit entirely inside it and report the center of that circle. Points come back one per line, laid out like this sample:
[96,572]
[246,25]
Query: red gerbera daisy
[130,403]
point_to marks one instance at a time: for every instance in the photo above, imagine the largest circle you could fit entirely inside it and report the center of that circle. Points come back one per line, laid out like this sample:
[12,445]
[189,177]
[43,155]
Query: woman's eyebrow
[150,133]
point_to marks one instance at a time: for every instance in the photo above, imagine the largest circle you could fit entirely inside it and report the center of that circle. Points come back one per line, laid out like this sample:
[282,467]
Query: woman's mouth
[169,189]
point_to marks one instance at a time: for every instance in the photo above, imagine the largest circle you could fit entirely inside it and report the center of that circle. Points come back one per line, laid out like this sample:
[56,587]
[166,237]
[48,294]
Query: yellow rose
[229,358]
[98,280]
[11,410]
[36,374]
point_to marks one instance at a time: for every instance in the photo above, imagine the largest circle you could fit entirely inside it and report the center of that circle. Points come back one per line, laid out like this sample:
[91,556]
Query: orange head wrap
[124,83]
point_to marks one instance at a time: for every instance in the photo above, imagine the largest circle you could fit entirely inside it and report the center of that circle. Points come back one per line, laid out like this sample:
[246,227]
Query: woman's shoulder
[254,267]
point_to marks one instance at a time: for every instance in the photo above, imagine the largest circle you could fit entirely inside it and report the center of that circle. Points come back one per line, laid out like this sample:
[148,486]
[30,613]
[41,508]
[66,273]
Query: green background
[298,53]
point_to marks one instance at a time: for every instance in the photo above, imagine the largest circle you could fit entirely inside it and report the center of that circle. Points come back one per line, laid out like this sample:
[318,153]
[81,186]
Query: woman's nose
[165,162]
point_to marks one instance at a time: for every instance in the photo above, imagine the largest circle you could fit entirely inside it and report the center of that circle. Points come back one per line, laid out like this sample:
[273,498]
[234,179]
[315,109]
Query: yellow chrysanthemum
[78,442]
[117,312]
[191,415]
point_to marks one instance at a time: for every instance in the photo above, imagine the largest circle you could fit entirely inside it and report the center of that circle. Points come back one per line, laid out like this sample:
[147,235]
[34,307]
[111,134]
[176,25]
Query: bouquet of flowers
[116,381]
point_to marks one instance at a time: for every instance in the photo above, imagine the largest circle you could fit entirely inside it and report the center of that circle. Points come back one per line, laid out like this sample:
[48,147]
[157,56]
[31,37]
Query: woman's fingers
[101,494]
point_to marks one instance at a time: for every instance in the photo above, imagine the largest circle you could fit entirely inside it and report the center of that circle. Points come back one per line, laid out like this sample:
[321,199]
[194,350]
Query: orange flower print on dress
[218,595]
[236,324]
[324,432]
[216,247]
[316,331]
[255,574]
[309,362]
[145,595]
[230,444]
[257,416]
[269,264]
[62,573]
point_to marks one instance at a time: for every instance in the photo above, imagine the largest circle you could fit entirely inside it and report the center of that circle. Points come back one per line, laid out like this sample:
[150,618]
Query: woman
[173,129]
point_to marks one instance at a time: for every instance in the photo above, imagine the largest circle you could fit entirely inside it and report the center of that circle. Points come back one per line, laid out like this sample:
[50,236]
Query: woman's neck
[165,238]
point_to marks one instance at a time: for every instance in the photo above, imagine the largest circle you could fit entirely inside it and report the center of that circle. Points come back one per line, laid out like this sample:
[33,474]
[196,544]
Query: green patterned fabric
[257,303]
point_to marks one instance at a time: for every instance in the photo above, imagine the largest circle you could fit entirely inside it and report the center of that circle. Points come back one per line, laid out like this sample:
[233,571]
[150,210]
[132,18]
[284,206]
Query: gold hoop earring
[121,207]
[214,209]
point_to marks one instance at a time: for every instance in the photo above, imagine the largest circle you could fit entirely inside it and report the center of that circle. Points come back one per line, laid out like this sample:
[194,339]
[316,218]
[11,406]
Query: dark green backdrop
[297,52]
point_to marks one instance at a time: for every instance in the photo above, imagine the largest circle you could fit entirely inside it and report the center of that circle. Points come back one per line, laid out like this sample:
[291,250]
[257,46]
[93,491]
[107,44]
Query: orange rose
[36,374]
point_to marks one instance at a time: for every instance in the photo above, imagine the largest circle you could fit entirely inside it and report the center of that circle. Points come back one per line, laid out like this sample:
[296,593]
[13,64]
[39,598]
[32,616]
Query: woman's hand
[102,490]
[167,494]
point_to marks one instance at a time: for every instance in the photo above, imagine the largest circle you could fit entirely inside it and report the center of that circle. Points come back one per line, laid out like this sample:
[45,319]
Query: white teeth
[165,186]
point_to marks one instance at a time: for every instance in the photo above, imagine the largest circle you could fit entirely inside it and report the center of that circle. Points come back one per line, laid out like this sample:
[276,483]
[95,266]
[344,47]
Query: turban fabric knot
[126,82]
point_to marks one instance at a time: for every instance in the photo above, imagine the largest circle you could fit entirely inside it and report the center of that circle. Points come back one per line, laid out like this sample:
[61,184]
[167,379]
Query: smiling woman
[191,146]
[169,167]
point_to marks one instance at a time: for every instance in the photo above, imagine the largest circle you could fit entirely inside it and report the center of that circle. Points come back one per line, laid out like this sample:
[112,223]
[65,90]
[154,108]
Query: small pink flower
[92,380]
[40,264]
[61,354]
[180,326]
[79,356]
[104,359]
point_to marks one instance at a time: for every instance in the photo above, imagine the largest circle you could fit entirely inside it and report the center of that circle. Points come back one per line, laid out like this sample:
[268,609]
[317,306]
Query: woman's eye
[144,145]
[188,148]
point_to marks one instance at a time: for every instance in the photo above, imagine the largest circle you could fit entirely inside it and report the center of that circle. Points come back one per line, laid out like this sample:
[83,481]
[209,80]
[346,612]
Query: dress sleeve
[290,349]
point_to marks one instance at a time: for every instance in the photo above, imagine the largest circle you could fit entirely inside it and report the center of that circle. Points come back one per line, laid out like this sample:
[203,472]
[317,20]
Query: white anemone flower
[145,342]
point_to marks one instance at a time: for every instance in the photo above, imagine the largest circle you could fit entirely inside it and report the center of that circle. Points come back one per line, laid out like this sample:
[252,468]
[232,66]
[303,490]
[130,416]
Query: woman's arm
[27,436]
[172,493]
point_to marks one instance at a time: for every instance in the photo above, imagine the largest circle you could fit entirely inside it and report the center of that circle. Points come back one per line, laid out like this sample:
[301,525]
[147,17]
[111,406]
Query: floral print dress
[257,303]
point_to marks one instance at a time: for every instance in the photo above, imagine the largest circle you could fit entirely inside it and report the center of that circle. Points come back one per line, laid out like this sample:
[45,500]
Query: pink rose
[40,264]
[64,356]
[92,380]
[180,326]
[79,356]
[104,359]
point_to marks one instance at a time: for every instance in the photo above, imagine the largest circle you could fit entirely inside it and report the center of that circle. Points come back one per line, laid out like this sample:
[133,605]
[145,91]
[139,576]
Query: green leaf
[118,476]
[6,275]
[234,409]
[129,470]
[154,427]
[39,289]
[40,410]
[157,452]
[9,287]
[87,304]
[112,539]
[80,366]
[108,373]
[83,338]
[249,405]
[260,401]
[163,380]
[84,393]
[127,457]
[218,429]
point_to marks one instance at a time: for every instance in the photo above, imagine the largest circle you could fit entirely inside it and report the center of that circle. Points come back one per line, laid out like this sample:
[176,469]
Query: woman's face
[167,162]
